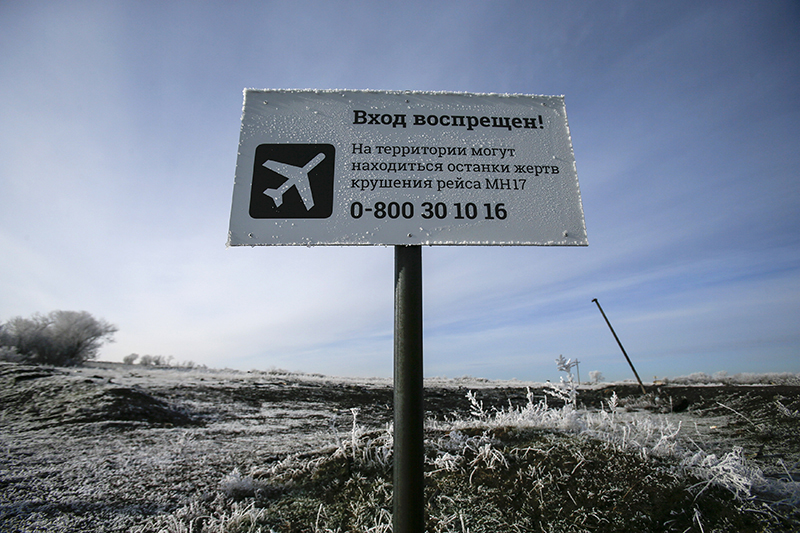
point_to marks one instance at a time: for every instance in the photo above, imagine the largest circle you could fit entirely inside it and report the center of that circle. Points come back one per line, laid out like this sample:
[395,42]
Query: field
[112,447]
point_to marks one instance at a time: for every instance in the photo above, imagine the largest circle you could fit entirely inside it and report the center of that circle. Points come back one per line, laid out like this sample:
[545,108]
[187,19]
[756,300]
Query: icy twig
[786,411]
[738,413]
[730,472]
[476,408]
[696,518]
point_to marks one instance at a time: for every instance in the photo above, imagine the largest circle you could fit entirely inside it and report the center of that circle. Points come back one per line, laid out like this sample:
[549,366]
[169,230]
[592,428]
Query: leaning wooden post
[620,346]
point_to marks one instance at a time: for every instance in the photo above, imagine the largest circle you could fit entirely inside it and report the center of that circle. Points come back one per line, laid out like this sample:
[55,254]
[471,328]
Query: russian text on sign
[367,167]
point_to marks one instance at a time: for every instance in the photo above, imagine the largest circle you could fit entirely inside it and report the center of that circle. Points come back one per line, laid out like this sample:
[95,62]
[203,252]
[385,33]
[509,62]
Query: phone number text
[429,210]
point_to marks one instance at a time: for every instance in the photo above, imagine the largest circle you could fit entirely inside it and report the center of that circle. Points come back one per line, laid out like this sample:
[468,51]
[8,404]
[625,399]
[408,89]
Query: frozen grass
[744,378]
[647,435]
[539,464]
[527,468]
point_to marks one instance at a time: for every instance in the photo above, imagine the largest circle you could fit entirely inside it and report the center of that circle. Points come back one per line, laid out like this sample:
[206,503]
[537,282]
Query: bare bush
[156,360]
[60,338]
[9,353]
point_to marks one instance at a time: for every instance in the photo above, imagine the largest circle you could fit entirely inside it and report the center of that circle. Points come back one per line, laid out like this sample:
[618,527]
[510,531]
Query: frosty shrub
[155,360]
[568,391]
[596,376]
[237,486]
[9,353]
[61,338]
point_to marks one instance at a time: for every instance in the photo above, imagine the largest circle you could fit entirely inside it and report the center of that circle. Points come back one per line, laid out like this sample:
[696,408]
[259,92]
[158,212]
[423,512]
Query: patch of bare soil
[123,448]
[106,447]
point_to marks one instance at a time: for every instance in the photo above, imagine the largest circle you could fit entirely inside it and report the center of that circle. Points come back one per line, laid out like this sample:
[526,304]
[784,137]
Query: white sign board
[404,168]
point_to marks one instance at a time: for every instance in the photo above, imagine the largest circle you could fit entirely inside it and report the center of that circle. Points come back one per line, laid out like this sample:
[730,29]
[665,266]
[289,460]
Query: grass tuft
[526,468]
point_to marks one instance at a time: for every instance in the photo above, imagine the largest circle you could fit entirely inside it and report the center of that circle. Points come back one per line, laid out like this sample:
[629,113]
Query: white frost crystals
[649,435]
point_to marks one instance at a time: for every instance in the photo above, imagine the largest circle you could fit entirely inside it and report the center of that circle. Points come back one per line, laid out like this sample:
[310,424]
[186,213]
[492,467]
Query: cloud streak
[118,147]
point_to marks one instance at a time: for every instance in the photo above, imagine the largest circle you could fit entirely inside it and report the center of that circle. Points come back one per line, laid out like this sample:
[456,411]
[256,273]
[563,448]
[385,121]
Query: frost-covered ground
[129,448]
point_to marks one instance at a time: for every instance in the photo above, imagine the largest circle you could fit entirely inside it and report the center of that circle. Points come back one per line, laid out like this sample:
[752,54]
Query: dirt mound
[39,397]
[121,448]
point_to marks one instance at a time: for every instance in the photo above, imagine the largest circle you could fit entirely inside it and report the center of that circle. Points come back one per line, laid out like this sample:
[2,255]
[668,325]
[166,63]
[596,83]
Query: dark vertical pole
[620,345]
[409,452]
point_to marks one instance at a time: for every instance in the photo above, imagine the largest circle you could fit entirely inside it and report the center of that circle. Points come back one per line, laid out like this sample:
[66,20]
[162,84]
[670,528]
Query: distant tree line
[743,378]
[59,338]
[158,360]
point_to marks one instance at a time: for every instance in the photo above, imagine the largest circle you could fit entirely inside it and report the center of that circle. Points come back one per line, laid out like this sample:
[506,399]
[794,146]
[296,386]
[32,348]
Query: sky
[119,127]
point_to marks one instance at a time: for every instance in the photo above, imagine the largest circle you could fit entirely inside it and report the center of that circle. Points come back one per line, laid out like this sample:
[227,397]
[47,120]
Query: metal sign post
[409,412]
[405,169]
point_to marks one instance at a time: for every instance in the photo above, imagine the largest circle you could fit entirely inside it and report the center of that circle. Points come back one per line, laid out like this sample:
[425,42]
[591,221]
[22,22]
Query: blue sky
[118,140]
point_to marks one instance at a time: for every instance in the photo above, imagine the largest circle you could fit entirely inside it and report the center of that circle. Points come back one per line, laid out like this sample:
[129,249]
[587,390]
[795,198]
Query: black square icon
[293,181]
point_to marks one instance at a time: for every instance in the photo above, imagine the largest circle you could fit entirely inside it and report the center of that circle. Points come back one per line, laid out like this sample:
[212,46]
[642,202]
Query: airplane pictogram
[296,177]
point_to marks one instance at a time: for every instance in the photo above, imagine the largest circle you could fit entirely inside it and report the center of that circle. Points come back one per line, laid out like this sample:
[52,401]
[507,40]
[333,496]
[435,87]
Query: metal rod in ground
[620,346]
[409,445]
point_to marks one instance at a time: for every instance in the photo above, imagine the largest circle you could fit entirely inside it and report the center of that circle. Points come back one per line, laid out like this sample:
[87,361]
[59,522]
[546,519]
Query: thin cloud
[118,147]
